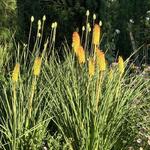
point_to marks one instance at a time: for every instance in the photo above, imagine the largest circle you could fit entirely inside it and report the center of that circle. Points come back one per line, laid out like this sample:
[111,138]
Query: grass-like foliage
[78,103]
[84,122]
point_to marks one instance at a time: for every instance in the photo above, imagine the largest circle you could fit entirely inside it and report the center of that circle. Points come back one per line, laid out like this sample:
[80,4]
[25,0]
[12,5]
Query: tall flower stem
[15,76]
[86,33]
[98,89]
[33,86]
[14,116]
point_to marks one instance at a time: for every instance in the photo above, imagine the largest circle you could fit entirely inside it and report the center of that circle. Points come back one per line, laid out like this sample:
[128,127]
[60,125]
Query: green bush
[103,111]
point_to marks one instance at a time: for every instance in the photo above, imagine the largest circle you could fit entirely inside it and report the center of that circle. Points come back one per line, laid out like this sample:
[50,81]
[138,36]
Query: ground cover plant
[80,102]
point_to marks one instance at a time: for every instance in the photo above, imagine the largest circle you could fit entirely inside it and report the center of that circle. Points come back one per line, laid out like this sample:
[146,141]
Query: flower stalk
[15,76]
[121,65]
[36,73]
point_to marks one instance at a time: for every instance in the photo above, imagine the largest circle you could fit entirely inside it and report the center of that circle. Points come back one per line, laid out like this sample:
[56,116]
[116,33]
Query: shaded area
[70,14]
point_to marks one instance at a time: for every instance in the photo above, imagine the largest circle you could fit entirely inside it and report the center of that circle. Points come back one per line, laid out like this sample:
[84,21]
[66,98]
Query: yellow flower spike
[37,66]
[81,55]
[101,60]
[75,41]
[110,74]
[96,34]
[15,74]
[91,66]
[121,65]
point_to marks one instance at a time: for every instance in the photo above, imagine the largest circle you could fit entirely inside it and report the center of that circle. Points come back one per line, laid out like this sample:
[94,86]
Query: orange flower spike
[81,55]
[121,65]
[96,34]
[101,60]
[75,41]
[91,67]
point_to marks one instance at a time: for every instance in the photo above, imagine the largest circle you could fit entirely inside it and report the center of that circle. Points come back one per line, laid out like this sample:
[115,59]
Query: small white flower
[24,44]
[148,11]
[131,21]
[139,141]
[141,148]
[148,142]
[130,148]
[147,18]
[117,31]
[45,148]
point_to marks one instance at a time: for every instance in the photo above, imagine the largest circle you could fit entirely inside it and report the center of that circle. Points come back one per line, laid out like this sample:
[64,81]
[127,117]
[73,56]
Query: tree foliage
[70,14]
[8,19]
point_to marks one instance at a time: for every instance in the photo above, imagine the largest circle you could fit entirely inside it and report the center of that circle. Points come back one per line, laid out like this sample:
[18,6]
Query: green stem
[94,52]
[14,116]
[98,89]
[89,81]
[31,97]
[86,35]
